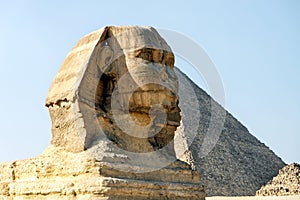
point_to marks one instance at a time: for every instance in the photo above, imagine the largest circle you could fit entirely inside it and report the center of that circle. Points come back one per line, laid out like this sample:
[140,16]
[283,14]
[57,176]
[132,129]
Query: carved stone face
[137,94]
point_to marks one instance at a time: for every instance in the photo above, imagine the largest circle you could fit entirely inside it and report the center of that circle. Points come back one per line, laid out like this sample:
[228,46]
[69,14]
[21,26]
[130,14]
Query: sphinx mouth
[158,108]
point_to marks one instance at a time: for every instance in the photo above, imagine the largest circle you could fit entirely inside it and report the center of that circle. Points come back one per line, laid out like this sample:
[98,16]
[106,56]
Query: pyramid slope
[239,164]
[287,182]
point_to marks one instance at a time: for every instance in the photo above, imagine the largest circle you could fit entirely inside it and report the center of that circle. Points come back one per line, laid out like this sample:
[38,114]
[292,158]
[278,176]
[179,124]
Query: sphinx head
[137,94]
[117,84]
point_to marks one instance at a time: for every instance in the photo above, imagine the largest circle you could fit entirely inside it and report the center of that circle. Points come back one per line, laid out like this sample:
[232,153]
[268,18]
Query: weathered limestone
[114,111]
[57,174]
[287,182]
[84,95]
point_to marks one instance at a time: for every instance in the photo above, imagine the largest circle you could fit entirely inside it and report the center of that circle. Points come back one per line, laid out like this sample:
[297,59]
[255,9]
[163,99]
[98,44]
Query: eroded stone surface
[130,69]
[287,182]
[239,164]
[114,111]
[57,174]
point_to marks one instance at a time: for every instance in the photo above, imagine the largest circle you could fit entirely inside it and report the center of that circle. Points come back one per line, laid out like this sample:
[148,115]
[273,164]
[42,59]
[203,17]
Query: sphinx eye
[145,54]
[168,59]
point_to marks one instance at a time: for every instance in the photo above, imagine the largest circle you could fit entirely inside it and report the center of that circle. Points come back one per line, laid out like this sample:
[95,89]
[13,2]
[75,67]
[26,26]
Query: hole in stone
[287,190]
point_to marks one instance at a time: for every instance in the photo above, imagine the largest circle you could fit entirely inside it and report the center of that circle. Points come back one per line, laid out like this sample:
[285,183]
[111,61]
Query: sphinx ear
[105,58]
[105,53]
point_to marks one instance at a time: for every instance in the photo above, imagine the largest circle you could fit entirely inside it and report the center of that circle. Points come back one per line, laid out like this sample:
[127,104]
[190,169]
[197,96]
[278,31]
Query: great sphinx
[114,111]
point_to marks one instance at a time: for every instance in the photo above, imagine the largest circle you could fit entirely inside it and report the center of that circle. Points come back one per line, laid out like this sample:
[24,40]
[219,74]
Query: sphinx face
[137,95]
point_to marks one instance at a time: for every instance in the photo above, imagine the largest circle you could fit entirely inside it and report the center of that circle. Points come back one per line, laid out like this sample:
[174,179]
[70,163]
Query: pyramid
[238,164]
[287,182]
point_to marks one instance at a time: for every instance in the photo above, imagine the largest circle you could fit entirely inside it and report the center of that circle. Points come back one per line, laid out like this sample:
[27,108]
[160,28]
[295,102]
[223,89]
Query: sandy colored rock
[129,68]
[79,103]
[114,111]
[295,197]
[287,182]
[57,174]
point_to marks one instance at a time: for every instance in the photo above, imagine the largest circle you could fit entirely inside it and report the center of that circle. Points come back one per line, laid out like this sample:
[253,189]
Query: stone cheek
[68,130]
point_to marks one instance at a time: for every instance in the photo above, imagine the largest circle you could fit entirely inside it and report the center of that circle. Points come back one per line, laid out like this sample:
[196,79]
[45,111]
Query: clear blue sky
[254,44]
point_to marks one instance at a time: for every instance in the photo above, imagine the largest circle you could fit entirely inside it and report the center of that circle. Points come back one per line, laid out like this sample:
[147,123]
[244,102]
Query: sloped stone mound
[287,182]
[239,164]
